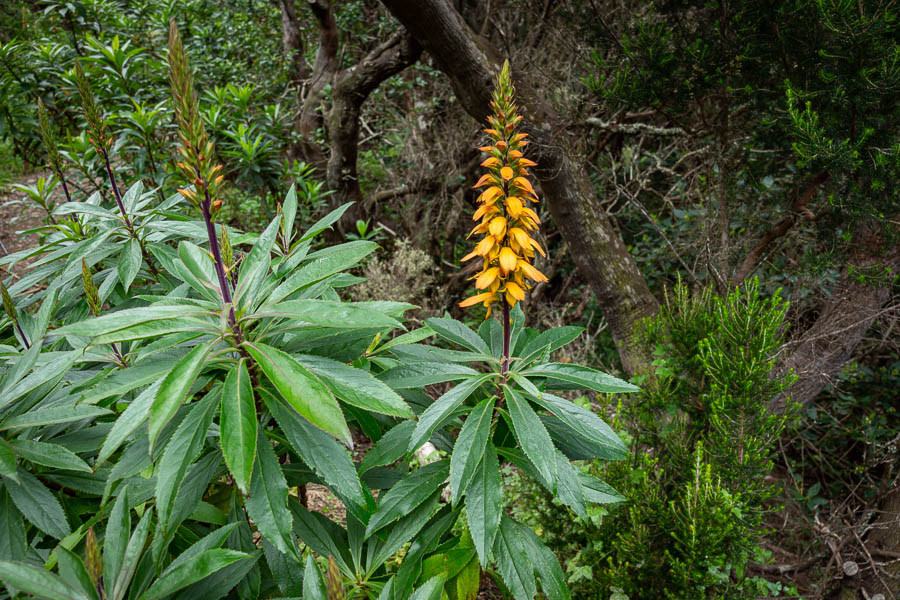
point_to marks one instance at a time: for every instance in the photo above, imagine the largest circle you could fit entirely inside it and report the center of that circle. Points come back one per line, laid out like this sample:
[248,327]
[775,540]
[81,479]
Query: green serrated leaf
[268,499]
[597,435]
[484,502]
[129,263]
[303,390]
[37,581]
[425,373]
[174,388]
[357,387]
[182,449]
[323,454]
[38,505]
[456,332]
[469,447]
[434,415]
[513,561]
[238,425]
[532,435]
[579,377]
[407,494]
[390,448]
[50,455]
[204,564]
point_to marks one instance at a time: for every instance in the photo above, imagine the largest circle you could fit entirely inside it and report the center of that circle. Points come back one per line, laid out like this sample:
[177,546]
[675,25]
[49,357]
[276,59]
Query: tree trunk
[828,345]
[884,546]
[310,118]
[292,40]
[471,63]
[351,88]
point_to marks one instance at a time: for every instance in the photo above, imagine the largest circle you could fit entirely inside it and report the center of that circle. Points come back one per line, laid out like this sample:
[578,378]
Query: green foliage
[700,439]
[201,376]
[121,49]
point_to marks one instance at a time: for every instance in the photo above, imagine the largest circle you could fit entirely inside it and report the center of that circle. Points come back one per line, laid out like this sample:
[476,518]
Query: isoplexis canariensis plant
[197,162]
[102,142]
[505,219]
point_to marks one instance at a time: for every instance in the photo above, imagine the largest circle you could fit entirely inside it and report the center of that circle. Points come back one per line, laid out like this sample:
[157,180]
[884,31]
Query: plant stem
[220,266]
[22,333]
[128,224]
[115,188]
[504,360]
[118,354]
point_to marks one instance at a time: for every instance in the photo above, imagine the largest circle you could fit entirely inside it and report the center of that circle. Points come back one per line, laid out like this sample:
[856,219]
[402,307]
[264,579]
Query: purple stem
[217,257]
[22,333]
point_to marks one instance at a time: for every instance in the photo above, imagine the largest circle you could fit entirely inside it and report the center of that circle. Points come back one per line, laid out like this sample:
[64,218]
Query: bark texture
[310,117]
[828,345]
[292,40]
[599,252]
[351,88]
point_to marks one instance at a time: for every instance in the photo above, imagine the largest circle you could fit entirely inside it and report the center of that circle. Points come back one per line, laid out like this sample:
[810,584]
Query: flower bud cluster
[196,148]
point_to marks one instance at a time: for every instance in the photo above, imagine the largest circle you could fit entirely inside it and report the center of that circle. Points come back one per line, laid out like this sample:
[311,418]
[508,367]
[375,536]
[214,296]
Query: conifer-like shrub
[700,438]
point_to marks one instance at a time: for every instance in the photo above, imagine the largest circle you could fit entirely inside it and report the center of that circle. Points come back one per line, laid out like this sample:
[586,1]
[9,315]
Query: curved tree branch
[597,247]
[781,228]
[351,88]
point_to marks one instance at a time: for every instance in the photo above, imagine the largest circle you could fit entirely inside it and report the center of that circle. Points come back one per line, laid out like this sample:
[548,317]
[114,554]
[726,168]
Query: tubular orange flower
[504,216]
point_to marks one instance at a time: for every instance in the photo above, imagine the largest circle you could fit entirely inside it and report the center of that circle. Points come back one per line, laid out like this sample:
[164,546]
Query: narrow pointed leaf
[407,494]
[238,425]
[532,435]
[602,440]
[54,415]
[37,581]
[456,332]
[328,313]
[357,387]
[129,263]
[550,573]
[38,505]
[313,586]
[434,415]
[50,455]
[582,378]
[484,501]
[329,459]
[175,386]
[513,561]
[181,450]
[131,557]
[425,373]
[203,565]
[390,448]
[8,461]
[469,447]
[267,504]
[73,572]
[303,390]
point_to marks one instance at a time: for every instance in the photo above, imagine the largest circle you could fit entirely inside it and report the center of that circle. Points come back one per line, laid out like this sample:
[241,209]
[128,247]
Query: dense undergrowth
[716,487]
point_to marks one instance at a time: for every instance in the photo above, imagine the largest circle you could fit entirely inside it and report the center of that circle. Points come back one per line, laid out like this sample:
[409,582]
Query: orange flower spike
[503,215]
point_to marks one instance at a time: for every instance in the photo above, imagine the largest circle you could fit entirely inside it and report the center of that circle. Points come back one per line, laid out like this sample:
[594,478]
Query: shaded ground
[17,217]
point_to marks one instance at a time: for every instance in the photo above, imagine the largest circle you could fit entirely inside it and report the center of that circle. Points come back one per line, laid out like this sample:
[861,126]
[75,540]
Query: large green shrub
[170,386]
[700,436]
